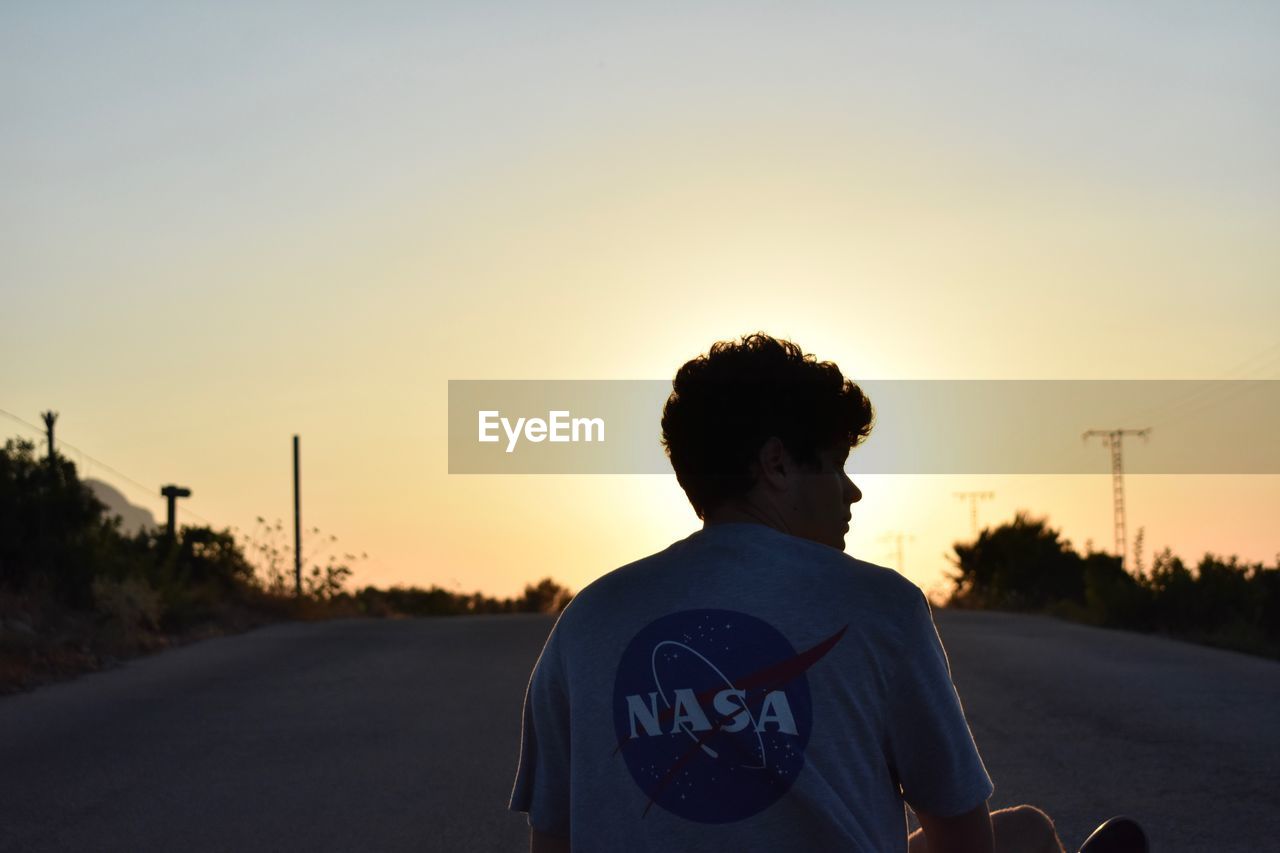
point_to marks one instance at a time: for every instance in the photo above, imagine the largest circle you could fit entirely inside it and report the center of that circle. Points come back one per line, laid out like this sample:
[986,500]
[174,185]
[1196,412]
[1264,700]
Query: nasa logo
[713,714]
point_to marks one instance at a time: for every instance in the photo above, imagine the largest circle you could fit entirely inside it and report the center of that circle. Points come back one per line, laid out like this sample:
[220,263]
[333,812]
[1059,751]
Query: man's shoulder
[613,587]
[839,575]
[886,592]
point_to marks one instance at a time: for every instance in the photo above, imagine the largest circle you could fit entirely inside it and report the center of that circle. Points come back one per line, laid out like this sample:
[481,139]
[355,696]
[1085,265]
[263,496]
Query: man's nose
[854,493]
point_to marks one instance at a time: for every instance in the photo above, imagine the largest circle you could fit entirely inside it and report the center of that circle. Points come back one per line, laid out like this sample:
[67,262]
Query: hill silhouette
[133,518]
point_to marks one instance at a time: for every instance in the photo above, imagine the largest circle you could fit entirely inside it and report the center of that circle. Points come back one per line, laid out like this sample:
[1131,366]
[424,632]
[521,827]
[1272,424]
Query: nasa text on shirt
[712,713]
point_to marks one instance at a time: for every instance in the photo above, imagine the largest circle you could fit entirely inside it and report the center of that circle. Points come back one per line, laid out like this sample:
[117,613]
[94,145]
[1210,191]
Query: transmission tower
[973,498]
[1114,439]
[897,538]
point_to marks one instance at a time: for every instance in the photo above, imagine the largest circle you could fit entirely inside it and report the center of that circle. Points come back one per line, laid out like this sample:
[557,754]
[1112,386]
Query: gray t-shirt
[744,690]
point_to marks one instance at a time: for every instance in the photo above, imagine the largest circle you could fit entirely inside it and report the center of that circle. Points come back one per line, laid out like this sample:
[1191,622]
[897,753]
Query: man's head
[758,429]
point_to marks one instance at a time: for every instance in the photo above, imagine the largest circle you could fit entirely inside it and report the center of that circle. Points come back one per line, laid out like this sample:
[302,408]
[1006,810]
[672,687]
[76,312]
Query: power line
[1205,390]
[149,491]
[1222,391]
[22,421]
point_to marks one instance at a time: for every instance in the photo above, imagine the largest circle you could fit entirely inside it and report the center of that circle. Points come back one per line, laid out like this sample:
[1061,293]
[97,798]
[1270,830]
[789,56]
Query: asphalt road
[1087,723]
[403,735]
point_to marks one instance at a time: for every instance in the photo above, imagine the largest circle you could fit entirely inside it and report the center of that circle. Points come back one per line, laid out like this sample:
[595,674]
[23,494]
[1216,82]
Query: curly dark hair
[724,405]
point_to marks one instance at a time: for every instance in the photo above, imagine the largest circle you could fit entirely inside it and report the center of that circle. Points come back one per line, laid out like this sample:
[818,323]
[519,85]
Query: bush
[1026,565]
[1113,597]
[51,527]
[131,603]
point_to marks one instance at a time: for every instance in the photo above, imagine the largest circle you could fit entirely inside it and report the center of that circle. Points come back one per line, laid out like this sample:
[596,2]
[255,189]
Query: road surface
[403,735]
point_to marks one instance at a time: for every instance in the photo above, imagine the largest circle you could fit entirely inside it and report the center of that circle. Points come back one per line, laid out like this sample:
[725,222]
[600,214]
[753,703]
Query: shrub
[1026,565]
[131,602]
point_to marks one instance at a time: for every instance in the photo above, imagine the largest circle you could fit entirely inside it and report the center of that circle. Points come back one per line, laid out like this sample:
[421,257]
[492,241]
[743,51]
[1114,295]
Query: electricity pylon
[973,498]
[1114,439]
[897,538]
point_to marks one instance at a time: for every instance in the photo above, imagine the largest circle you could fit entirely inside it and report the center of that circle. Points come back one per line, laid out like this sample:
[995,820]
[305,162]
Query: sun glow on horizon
[226,229]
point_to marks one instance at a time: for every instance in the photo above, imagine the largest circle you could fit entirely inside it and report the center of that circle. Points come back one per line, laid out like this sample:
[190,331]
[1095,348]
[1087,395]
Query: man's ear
[774,464]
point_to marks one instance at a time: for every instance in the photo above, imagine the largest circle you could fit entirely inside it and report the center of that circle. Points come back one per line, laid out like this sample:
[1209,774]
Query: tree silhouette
[1023,564]
[1027,565]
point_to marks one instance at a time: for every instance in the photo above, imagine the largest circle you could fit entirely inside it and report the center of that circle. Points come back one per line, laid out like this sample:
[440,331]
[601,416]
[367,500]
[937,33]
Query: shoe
[1117,835]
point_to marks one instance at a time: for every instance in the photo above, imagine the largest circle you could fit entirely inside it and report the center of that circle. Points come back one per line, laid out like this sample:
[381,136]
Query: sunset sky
[224,224]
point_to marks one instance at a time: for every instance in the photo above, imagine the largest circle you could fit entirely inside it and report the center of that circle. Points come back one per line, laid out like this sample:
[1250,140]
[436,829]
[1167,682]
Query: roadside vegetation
[1025,565]
[77,593]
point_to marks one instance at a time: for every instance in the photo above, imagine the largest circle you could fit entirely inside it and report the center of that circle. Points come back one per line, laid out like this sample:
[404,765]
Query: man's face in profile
[822,498]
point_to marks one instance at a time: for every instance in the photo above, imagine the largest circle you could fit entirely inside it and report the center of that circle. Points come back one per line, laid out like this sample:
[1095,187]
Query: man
[752,687]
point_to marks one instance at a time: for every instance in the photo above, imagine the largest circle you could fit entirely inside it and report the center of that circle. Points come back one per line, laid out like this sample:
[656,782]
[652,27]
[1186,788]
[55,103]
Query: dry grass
[43,642]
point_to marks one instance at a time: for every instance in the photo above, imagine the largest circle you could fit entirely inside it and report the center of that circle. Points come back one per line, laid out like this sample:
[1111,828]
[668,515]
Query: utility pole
[898,537]
[297,524]
[49,418]
[973,498]
[172,493]
[1114,439]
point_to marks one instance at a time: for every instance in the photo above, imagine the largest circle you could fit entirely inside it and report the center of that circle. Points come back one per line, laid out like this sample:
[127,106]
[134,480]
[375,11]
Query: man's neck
[746,514]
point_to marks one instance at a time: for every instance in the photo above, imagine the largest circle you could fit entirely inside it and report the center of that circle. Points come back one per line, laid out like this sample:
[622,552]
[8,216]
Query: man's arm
[542,779]
[540,842]
[965,833]
[929,747]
